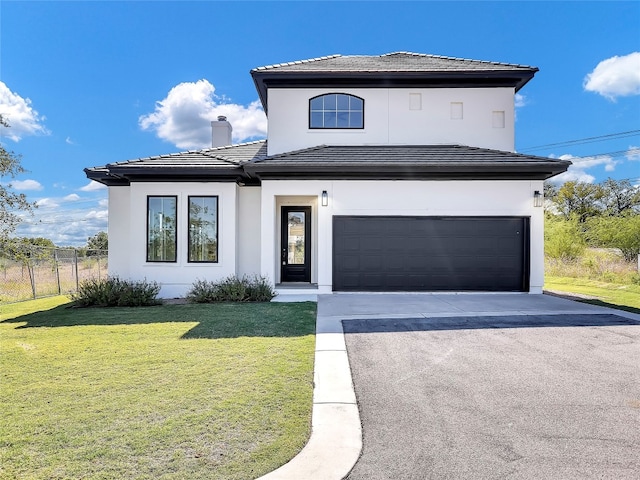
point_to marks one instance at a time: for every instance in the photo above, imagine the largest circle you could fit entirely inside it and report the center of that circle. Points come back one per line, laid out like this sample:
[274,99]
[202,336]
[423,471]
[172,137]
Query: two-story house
[380,173]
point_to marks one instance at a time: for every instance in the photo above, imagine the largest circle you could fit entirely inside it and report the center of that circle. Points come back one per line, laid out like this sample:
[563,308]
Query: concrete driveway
[492,386]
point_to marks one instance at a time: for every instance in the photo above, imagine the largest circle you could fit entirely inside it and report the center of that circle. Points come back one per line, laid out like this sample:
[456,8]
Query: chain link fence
[28,272]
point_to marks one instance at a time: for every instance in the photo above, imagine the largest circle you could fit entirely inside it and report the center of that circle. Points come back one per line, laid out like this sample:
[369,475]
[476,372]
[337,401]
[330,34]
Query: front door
[295,244]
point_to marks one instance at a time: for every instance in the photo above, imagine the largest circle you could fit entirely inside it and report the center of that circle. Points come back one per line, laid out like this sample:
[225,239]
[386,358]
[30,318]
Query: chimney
[221,132]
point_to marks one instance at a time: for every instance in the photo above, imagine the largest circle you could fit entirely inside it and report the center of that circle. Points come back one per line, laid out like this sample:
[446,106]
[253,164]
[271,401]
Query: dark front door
[295,244]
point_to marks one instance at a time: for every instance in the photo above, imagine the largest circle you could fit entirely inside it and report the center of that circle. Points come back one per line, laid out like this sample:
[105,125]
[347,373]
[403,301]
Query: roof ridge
[202,151]
[446,57]
[292,152]
[296,62]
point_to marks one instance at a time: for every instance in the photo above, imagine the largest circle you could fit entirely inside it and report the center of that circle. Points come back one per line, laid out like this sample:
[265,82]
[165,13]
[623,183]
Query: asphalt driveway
[495,387]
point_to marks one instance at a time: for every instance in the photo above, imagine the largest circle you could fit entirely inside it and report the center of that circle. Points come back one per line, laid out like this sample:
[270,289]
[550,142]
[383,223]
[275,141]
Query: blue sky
[89,83]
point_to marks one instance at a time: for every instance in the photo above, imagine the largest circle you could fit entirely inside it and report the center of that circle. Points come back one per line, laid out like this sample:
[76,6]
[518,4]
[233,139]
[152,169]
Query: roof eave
[178,173]
[529,171]
[264,79]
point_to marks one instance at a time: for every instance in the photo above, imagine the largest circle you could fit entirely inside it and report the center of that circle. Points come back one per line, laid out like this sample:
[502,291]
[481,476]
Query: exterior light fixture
[537,199]
[325,198]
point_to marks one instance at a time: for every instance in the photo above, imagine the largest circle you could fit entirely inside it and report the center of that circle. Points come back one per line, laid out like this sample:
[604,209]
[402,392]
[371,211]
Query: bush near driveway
[168,392]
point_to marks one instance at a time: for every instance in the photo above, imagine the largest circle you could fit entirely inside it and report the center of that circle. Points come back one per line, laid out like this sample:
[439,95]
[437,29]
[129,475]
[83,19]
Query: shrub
[114,292]
[563,239]
[232,289]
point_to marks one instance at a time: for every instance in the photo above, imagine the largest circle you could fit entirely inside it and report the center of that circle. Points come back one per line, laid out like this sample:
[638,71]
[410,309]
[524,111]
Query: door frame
[295,273]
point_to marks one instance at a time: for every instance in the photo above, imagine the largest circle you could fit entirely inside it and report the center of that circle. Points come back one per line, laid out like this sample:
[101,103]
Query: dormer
[393,99]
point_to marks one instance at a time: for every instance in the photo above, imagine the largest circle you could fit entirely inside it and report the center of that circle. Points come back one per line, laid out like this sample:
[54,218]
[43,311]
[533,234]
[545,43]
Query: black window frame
[217,260]
[336,127]
[175,229]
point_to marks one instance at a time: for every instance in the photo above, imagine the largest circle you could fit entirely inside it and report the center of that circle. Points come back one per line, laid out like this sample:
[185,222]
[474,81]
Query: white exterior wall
[388,119]
[248,254]
[131,247]
[426,198]
[118,231]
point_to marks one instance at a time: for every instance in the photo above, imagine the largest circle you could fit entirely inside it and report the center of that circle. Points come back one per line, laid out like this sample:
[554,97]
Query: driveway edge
[336,433]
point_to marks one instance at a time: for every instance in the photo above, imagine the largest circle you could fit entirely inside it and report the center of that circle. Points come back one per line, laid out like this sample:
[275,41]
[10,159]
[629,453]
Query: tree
[579,199]
[100,241]
[622,232]
[619,197]
[10,202]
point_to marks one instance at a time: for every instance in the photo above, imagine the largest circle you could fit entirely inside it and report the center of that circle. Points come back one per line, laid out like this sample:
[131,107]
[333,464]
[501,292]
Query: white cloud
[72,197]
[22,118]
[92,186]
[615,77]
[633,153]
[520,100]
[103,202]
[24,185]
[69,141]
[64,225]
[47,203]
[578,170]
[183,117]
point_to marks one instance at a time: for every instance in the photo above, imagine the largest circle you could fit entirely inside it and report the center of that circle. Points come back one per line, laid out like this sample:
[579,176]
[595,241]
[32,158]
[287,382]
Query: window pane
[316,120]
[343,102]
[343,119]
[203,229]
[355,103]
[329,119]
[316,104]
[330,102]
[355,120]
[161,229]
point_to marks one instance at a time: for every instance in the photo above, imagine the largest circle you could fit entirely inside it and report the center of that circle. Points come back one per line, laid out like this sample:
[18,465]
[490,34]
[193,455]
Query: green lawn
[624,297]
[168,392]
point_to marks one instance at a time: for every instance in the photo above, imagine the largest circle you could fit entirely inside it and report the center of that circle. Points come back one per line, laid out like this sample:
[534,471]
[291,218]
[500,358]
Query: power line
[618,153]
[580,141]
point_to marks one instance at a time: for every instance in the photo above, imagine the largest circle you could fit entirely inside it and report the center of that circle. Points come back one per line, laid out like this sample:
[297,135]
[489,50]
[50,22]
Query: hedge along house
[380,173]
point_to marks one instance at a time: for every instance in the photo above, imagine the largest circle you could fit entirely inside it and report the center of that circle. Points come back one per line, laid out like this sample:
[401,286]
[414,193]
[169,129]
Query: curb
[336,434]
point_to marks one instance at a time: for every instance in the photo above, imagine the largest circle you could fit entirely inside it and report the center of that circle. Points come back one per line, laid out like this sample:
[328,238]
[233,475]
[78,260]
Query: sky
[85,83]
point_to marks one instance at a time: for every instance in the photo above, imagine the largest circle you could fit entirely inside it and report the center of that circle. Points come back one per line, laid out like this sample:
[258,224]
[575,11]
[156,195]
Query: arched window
[336,110]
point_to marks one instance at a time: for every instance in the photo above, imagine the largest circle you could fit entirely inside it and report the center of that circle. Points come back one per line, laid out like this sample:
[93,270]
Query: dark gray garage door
[430,253]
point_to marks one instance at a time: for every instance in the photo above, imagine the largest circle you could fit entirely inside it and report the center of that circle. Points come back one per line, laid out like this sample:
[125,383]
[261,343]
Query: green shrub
[114,292]
[232,289]
[563,239]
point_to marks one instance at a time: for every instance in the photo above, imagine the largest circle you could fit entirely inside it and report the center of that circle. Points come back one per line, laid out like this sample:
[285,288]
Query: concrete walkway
[336,437]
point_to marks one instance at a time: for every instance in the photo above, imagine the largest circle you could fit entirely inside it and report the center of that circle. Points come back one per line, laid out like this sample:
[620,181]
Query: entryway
[295,244]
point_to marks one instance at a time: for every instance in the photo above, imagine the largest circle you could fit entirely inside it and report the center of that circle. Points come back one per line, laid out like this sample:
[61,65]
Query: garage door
[430,253]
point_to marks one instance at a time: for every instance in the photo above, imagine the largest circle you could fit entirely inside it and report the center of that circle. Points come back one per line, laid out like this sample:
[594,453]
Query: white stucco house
[380,173]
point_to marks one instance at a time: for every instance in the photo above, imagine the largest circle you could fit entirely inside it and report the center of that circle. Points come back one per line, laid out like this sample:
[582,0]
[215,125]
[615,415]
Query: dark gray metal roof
[211,164]
[402,161]
[249,163]
[392,62]
[398,69]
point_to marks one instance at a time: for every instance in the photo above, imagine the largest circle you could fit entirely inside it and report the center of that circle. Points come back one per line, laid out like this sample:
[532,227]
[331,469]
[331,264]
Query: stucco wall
[248,254]
[119,231]
[128,235]
[426,198]
[389,118]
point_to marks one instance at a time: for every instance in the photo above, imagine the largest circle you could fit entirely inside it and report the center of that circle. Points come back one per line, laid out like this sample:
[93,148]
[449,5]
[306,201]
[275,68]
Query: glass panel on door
[296,238]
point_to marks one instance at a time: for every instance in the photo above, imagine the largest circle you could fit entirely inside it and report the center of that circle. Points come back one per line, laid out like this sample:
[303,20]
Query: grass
[599,273]
[169,392]
[624,297]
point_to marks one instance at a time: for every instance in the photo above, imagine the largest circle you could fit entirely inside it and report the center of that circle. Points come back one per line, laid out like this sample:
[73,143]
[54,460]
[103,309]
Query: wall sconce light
[538,199]
[325,198]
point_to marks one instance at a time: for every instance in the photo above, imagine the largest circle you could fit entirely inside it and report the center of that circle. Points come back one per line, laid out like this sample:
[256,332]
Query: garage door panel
[430,253]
